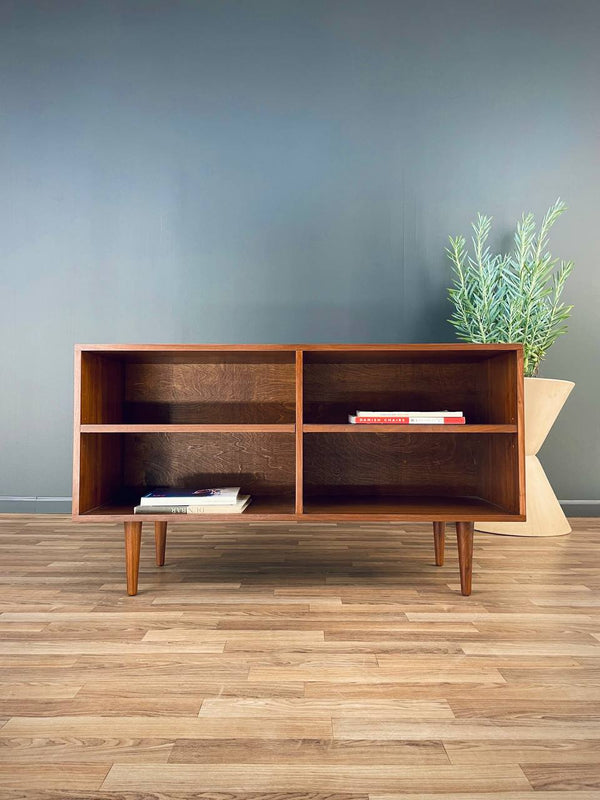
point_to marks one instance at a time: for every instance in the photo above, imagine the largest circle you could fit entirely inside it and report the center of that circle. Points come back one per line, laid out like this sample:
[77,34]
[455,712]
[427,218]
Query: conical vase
[544,399]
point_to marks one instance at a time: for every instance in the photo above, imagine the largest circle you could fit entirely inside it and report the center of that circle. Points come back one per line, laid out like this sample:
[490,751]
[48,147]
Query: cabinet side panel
[101,389]
[502,370]
[100,469]
[76,428]
[500,475]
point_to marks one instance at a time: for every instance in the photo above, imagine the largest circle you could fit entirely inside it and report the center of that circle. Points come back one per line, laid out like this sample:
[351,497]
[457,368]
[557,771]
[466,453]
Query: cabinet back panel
[380,464]
[210,393]
[332,391]
[261,463]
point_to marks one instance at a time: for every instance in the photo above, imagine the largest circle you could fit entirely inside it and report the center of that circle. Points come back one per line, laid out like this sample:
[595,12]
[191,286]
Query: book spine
[182,501]
[222,510]
[407,420]
[409,414]
[379,420]
[160,510]
[437,421]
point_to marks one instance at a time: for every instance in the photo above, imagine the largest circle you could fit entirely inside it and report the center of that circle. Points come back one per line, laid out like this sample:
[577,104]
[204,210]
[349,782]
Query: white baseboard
[30,504]
[13,498]
[579,502]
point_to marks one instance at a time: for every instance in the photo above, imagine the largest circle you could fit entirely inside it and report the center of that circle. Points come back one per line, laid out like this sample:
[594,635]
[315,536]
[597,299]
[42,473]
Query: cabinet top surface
[459,346]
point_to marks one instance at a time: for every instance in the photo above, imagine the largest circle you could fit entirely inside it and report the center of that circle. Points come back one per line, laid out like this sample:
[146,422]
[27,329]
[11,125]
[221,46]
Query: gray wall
[280,170]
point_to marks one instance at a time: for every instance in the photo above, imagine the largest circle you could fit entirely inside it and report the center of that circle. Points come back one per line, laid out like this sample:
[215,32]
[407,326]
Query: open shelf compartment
[227,387]
[128,465]
[482,383]
[407,474]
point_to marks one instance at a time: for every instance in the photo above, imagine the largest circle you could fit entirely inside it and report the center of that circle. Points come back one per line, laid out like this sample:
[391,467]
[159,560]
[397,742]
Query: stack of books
[407,418]
[193,501]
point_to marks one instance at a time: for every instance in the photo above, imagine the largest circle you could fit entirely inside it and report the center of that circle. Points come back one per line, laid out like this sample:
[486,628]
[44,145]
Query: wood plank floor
[326,662]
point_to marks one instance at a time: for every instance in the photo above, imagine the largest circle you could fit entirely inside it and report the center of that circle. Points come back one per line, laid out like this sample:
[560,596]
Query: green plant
[512,297]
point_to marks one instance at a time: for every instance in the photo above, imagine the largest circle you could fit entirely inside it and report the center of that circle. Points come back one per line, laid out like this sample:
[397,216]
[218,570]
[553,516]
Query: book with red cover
[440,413]
[394,420]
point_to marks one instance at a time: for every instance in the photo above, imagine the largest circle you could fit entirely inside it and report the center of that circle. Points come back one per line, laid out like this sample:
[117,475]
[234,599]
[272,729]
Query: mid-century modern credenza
[273,419]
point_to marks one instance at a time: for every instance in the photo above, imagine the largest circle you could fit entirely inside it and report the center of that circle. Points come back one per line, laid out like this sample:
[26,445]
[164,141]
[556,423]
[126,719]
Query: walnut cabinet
[273,420]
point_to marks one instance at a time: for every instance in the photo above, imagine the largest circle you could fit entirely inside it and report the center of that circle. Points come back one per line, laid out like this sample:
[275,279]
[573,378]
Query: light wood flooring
[326,662]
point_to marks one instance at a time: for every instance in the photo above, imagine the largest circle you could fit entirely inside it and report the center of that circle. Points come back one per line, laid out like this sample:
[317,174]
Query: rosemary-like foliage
[514,297]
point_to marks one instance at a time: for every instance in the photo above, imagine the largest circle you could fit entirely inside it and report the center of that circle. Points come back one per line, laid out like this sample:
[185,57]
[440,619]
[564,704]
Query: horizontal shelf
[330,507]
[290,428]
[185,428]
[410,507]
[391,428]
[260,508]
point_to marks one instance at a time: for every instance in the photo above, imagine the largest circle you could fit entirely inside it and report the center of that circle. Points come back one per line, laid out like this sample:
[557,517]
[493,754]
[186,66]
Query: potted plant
[516,297]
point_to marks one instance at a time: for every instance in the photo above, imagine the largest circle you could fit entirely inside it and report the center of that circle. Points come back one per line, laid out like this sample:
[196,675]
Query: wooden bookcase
[273,419]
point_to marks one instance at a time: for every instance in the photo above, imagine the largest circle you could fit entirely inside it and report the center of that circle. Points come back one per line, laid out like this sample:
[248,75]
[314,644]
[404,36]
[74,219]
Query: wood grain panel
[391,464]
[564,777]
[311,778]
[332,391]
[101,394]
[27,778]
[554,752]
[306,707]
[261,463]
[396,463]
[502,386]
[306,751]
[210,393]
[499,473]
[100,470]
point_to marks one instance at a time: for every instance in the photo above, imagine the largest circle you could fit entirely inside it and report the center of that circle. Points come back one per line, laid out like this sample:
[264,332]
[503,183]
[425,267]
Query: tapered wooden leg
[133,540]
[160,539]
[439,534]
[464,538]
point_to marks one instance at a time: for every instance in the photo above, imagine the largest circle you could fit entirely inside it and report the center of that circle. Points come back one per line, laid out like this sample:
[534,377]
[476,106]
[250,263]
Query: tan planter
[544,399]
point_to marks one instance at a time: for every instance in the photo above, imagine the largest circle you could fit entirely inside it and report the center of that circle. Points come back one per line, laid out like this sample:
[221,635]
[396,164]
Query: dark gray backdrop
[279,171]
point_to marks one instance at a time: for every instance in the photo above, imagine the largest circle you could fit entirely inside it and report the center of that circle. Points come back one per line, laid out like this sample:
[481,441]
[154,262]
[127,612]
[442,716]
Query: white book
[409,413]
[242,502]
[233,508]
[179,497]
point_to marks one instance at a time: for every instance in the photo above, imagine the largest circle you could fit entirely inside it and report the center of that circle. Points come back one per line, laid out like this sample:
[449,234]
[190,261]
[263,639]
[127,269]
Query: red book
[373,420]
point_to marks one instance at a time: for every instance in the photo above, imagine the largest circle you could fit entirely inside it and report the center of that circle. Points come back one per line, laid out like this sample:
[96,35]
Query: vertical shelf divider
[299,431]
